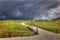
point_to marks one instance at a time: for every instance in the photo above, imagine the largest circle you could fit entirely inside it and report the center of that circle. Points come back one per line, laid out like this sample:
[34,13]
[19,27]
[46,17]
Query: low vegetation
[50,25]
[13,28]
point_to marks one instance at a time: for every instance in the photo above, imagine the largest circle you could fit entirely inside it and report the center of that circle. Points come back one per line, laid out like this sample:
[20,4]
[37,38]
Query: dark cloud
[29,9]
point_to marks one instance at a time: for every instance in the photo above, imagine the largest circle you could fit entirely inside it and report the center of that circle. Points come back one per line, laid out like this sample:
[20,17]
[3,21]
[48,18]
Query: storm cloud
[29,9]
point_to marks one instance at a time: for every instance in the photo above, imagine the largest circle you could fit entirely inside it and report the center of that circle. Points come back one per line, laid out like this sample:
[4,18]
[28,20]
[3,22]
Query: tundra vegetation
[13,28]
[50,25]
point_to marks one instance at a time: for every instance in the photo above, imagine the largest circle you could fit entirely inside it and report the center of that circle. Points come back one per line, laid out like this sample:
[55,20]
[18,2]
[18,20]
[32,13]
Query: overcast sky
[29,9]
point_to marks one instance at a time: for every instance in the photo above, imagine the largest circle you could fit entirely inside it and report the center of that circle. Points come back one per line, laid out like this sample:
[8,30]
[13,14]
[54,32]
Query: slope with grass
[50,25]
[13,28]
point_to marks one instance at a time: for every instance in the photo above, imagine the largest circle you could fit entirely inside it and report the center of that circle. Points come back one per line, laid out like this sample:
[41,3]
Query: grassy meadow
[50,25]
[13,28]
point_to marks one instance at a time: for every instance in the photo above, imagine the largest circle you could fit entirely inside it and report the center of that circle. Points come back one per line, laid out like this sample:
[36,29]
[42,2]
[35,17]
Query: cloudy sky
[29,9]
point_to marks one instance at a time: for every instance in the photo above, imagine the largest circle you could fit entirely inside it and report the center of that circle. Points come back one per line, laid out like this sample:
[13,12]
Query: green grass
[13,28]
[51,25]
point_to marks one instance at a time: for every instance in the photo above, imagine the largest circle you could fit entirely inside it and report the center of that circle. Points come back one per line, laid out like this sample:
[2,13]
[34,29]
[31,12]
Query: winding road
[43,35]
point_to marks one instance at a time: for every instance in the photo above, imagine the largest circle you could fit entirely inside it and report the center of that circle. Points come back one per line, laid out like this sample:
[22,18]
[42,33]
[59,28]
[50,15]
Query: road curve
[43,35]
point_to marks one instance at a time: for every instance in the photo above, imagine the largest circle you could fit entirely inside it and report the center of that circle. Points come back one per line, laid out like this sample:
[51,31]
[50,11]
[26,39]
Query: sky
[29,9]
